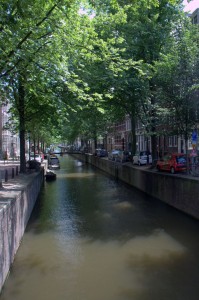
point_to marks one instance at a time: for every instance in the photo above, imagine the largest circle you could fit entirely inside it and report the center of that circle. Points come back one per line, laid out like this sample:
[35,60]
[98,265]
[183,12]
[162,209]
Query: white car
[36,157]
[141,158]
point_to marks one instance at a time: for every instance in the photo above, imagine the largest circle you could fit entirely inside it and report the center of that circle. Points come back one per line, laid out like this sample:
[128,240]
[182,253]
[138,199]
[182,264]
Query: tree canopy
[70,67]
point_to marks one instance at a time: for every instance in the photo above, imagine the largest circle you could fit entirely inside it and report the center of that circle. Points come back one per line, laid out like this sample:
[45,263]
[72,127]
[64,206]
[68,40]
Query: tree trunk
[34,146]
[95,142]
[187,154]
[21,109]
[133,126]
[154,148]
[153,124]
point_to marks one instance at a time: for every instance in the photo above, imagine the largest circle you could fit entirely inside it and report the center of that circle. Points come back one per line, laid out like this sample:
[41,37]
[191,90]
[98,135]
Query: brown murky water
[92,238]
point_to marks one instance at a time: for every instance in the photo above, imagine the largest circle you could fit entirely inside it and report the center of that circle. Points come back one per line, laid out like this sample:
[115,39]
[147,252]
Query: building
[195,16]
[9,142]
[119,135]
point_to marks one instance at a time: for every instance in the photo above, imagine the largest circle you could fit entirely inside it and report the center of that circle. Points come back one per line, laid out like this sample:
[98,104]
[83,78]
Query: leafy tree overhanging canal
[72,68]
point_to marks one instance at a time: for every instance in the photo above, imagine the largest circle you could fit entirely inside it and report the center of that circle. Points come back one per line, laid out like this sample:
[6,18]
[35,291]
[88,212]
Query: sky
[191,6]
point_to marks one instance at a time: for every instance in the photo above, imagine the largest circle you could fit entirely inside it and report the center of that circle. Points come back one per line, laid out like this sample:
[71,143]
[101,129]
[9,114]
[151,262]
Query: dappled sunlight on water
[76,175]
[87,270]
[123,206]
[158,246]
[110,266]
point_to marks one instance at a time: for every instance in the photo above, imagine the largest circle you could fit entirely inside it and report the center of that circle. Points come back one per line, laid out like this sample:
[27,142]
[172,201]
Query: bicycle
[194,169]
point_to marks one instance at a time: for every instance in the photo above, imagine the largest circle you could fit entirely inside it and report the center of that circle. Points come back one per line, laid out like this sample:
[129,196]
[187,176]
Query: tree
[139,39]
[27,31]
[178,79]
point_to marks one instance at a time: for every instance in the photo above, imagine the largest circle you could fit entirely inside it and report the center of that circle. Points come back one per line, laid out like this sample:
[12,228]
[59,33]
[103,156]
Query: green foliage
[177,78]
[81,71]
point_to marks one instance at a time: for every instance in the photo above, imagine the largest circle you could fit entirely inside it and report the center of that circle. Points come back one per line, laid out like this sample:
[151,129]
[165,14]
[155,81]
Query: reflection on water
[91,238]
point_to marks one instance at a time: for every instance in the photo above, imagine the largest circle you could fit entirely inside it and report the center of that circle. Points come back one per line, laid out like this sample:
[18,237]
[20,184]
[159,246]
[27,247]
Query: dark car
[120,156]
[33,164]
[101,153]
[115,155]
[126,156]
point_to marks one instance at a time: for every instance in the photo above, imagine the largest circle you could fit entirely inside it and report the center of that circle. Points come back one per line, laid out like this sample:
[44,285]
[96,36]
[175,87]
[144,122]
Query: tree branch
[26,37]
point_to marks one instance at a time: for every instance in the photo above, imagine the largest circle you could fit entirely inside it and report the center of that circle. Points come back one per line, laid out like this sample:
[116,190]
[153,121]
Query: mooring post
[13,172]
[1,180]
[6,175]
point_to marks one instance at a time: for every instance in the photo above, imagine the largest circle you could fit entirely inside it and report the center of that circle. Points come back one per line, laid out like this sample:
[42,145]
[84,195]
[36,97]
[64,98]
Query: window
[117,139]
[173,141]
[128,124]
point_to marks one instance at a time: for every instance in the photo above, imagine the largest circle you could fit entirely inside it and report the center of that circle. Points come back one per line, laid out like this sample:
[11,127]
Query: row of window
[142,142]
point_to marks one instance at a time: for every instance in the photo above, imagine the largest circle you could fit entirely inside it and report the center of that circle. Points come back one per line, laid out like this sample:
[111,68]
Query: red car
[175,162]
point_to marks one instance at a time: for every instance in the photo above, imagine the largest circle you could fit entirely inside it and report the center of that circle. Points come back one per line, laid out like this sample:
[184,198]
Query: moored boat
[53,162]
[50,175]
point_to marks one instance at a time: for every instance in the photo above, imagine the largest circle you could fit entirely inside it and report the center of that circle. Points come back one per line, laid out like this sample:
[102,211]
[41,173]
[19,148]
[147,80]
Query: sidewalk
[9,162]
[153,169]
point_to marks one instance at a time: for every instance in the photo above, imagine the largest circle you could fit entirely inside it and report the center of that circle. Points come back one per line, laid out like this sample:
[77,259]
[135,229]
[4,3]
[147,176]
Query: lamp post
[29,146]
[137,147]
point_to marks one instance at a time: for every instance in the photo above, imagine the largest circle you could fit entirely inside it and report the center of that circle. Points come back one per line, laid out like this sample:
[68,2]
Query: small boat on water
[50,176]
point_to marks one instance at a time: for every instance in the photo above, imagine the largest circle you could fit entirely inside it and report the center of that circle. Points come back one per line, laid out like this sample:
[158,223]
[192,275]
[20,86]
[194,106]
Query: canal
[93,238]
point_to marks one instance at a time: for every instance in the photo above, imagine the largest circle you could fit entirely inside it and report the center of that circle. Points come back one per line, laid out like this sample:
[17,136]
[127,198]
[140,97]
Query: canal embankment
[17,199]
[178,190]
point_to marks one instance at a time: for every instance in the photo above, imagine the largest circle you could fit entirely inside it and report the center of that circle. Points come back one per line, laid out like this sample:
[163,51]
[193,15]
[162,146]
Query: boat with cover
[53,163]
[50,175]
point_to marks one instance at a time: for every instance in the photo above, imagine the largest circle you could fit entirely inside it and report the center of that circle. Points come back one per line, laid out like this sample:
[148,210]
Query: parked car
[142,158]
[101,152]
[33,164]
[36,157]
[119,155]
[126,156]
[175,162]
[115,155]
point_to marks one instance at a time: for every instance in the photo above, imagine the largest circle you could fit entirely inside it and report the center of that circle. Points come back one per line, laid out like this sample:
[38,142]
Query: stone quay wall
[17,199]
[179,191]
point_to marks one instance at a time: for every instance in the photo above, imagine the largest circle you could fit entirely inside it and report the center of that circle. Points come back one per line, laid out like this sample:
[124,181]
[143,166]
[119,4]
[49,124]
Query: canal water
[93,238]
